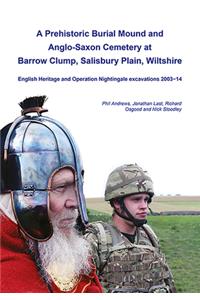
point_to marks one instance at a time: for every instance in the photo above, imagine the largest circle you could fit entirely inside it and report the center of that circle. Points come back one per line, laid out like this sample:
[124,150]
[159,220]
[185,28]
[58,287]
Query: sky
[165,143]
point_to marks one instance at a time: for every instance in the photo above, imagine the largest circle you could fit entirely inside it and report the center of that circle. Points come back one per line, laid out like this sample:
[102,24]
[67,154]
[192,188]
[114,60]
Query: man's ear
[116,204]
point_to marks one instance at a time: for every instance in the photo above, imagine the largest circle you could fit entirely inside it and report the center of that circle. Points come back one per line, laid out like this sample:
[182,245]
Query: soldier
[42,196]
[127,253]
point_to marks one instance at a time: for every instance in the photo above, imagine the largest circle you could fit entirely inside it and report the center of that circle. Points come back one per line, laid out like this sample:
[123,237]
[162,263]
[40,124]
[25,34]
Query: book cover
[122,76]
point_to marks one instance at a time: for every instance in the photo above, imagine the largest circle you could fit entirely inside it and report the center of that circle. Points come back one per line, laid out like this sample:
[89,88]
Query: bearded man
[42,199]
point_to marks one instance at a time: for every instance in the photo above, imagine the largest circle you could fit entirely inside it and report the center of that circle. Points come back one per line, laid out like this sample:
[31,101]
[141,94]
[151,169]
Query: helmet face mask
[36,147]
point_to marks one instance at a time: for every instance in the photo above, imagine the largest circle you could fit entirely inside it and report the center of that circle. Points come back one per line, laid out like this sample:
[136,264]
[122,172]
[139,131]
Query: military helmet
[33,148]
[126,180]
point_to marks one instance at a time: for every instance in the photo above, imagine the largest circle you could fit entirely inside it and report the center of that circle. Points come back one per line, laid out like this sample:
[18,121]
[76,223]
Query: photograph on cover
[99,134]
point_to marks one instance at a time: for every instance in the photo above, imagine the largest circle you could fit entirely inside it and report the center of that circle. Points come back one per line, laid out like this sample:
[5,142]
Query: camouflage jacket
[123,266]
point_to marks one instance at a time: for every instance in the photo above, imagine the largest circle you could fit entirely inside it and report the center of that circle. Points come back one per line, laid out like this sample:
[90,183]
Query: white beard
[66,254]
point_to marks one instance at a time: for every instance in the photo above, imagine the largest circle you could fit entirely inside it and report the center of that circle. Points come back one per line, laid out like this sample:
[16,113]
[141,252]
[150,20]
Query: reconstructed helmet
[33,147]
[126,180]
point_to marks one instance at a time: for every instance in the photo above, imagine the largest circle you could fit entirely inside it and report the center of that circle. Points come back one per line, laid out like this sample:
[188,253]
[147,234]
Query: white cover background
[165,144]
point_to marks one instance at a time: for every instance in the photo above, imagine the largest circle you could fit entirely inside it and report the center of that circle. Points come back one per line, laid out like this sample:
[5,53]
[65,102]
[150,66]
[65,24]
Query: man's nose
[143,203]
[71,202]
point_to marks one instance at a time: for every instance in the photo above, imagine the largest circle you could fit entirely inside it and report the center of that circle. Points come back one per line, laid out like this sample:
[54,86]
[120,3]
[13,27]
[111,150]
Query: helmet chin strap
[129,217]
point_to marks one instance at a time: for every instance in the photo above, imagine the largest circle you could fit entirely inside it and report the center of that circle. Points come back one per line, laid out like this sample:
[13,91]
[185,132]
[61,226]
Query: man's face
[65,254]
[137,205]
[63,199]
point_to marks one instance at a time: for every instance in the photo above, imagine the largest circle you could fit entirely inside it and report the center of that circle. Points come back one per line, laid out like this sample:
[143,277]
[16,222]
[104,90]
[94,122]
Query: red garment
[18,270]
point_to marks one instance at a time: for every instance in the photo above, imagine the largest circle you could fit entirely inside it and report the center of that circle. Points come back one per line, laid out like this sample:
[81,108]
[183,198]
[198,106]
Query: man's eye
[136,199]
[59,188]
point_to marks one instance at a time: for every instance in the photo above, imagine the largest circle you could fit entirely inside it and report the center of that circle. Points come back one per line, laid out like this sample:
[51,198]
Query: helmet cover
[126,180]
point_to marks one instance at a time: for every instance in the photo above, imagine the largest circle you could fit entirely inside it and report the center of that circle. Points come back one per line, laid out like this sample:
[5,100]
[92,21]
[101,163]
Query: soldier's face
[137,205]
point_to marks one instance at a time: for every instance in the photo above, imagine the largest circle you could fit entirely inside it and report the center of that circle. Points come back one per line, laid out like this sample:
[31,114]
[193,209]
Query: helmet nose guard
[35,147]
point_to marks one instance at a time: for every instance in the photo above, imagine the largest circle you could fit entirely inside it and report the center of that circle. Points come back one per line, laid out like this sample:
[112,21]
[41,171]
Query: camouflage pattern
[126,180]
[123,266]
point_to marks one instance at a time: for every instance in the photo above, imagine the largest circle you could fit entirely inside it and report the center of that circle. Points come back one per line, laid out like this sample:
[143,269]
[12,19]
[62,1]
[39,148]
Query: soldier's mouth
[141,215]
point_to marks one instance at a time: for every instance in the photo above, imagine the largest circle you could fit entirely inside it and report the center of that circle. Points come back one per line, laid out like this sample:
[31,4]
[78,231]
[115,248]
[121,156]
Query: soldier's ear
[116,204]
